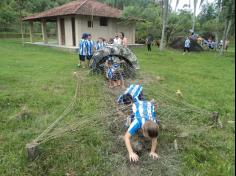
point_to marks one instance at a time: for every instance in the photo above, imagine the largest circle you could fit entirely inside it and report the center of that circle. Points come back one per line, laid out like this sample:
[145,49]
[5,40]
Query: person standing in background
[117,40]
[124,40]
[83,49]
[90,48]
[186,45]
[149,42]
[100,44]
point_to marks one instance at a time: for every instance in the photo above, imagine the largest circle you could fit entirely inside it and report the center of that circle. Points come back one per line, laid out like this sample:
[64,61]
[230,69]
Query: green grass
[42,79]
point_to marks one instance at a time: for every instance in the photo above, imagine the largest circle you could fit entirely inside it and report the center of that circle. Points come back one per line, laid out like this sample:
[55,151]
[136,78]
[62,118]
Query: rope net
[178,120]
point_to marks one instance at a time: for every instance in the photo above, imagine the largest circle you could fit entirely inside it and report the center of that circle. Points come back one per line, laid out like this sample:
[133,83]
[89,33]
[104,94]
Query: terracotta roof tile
[79,7]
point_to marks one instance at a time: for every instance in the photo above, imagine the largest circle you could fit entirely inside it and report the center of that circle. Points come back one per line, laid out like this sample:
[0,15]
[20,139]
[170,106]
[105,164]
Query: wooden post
[31,31]
[77,30]
[32,150]
[44,32]
[59,31]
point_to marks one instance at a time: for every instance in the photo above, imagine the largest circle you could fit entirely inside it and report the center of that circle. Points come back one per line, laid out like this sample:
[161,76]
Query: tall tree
[176,5]
[195,2]
[164,23]
[194,13]
[228,13]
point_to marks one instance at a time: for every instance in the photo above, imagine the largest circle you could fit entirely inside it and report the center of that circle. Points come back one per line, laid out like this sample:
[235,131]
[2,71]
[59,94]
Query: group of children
[142,122]
[87,46]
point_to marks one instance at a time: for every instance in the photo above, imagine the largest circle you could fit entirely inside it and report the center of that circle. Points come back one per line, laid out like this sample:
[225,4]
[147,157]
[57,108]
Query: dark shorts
[186,49]
[89,57]
[82,57]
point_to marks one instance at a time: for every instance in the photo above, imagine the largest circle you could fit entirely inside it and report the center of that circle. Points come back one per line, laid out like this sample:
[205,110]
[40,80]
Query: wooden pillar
[59,31]
[44,32]
[133,34]
[31,32]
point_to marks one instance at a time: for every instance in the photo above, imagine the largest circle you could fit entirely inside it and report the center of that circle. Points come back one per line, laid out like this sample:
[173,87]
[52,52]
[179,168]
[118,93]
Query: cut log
[32,150]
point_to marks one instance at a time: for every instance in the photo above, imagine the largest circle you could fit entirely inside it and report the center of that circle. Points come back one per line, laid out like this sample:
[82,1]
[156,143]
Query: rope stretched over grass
[41,138]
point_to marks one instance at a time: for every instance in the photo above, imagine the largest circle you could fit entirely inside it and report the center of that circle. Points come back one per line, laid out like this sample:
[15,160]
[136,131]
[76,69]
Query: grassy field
[41,80]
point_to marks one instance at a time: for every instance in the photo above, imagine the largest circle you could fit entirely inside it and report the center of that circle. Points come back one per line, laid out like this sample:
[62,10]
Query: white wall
[106,32]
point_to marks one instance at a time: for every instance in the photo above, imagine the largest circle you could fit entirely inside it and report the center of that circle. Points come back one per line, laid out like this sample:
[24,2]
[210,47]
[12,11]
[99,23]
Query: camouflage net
[122,55]
[178,43]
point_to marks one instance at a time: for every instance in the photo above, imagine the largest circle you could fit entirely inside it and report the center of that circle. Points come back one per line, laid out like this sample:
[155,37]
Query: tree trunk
[194,14]
[228,29]
[22,32]
[216,40]
[164,22]
[20,3]
[228,24]
[224,37]
[217,22]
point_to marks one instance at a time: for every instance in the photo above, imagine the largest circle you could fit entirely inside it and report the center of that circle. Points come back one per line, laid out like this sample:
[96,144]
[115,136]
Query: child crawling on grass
[144,124]
[113,74]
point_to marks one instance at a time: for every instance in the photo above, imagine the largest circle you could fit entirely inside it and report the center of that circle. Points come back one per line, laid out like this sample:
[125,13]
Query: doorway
[73,30]
[62,26]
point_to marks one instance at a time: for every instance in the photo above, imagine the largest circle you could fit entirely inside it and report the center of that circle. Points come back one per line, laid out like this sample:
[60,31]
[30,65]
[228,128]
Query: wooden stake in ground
[32,150]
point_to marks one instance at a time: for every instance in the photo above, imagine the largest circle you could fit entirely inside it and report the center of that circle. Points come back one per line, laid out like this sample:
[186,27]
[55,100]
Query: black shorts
[186,49]
[89,57]
[82,57]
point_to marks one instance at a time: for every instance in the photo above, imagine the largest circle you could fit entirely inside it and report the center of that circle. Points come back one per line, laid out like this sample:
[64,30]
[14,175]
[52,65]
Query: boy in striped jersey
[113,74]
[132,94]
[83,49]
[90,48]
[144,120]
[100,44]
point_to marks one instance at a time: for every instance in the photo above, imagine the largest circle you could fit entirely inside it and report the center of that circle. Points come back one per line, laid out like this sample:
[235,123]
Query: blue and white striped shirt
[112,69]
[83,47]
[90,47]
[100,46]
[133,90]
[143,111]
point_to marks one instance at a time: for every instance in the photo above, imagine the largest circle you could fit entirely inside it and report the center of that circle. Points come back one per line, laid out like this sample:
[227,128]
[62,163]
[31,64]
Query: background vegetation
[147,14]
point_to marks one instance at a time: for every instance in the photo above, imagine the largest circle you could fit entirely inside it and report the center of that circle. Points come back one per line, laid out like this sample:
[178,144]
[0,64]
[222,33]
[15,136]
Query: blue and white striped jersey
[83,47]
[133,90]
[100,46]
[90,47]
[112,69]
[143,111]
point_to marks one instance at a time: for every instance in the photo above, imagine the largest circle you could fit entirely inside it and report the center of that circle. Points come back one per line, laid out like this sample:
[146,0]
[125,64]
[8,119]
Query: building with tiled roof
[77,17]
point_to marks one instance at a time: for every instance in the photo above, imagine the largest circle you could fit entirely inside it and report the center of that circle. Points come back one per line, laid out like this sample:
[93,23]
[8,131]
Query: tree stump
[32,150]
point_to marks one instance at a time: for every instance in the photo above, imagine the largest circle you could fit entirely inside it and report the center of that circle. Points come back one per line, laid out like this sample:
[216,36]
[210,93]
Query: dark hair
[151,128]
[152,133]
[84,36]
[122,33]
[111,40]
[127,99]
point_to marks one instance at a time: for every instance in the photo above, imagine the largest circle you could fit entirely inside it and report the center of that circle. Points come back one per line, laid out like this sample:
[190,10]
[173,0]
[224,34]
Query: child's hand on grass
[133,157]
[154,155]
